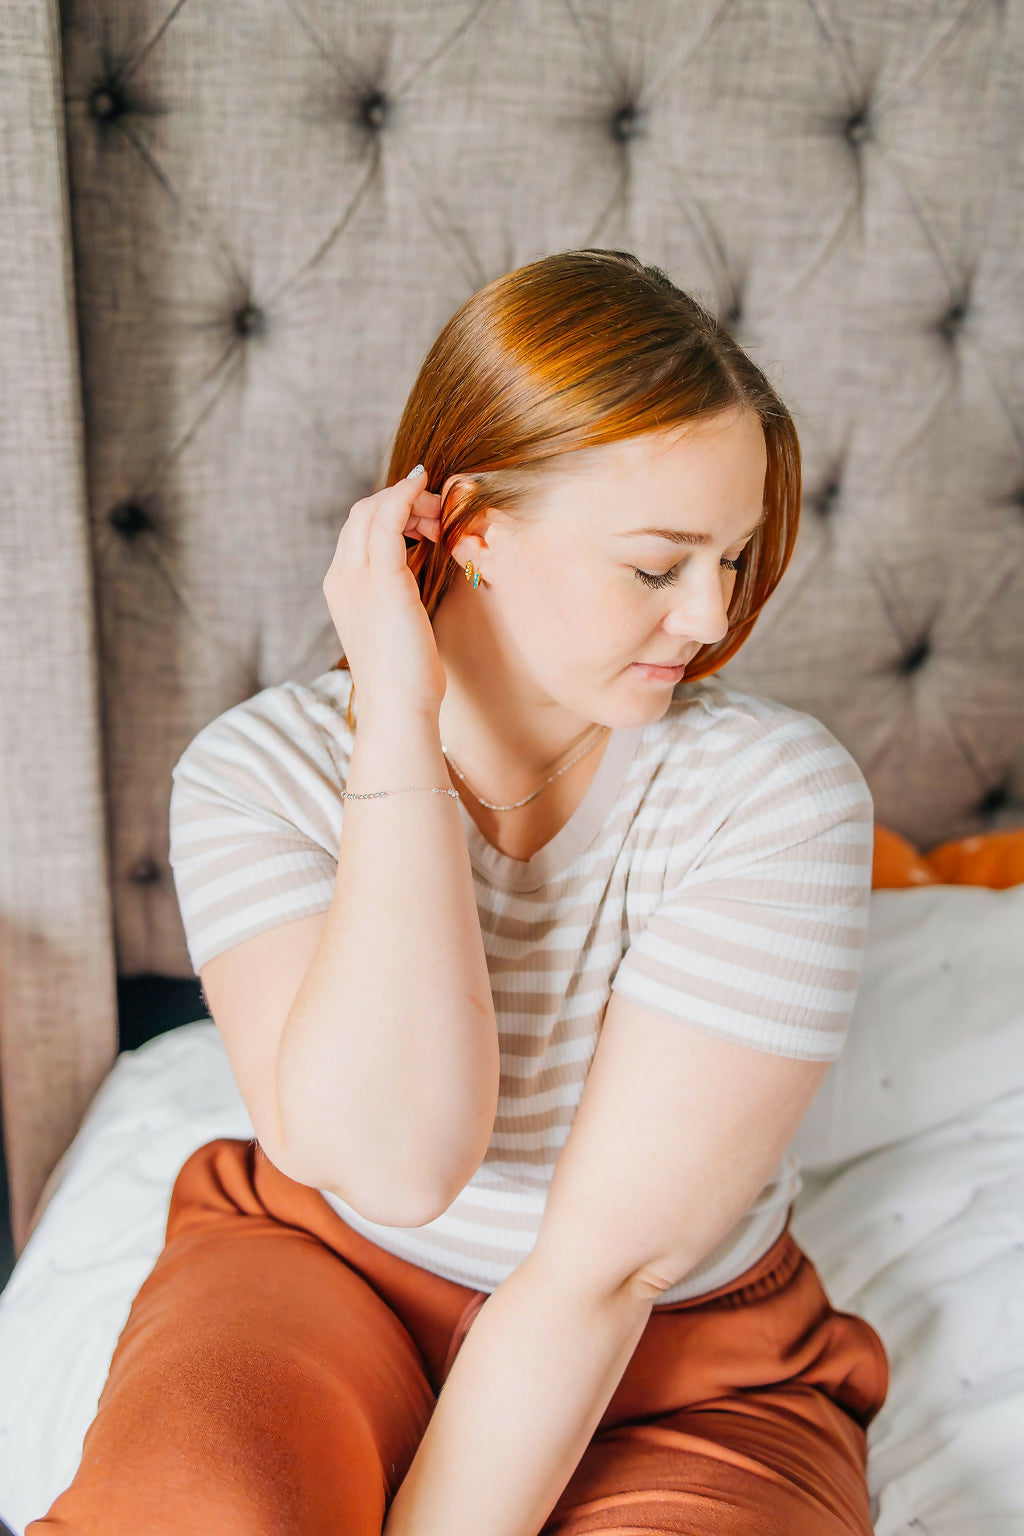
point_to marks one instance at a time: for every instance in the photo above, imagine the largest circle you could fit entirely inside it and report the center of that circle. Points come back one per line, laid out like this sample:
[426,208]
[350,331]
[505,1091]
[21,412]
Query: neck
[500,730]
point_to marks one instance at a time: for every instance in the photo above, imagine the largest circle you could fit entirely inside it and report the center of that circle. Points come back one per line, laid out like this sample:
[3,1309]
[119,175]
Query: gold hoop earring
[471,575]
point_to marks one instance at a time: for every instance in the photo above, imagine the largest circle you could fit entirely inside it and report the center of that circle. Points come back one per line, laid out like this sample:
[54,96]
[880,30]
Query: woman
[544,890]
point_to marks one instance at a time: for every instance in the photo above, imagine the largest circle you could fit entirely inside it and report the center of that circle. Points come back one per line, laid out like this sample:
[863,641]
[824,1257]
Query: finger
[396,511]
[392,506]
[426,512]
[424,529]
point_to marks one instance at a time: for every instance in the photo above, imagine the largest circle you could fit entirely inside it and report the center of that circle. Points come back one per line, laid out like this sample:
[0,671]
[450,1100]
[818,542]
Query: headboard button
[250,320]
[828,498]
[108,102]
[626,123]
[374,110]
[858,128]
[953,319]
[145,872]
[994,800]
[915,658]
[129,518]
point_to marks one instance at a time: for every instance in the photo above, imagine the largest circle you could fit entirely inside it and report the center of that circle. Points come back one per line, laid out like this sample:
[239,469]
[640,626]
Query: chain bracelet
[409,789]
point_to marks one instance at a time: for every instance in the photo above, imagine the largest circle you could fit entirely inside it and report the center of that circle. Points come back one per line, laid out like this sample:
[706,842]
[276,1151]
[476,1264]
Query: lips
[655,673]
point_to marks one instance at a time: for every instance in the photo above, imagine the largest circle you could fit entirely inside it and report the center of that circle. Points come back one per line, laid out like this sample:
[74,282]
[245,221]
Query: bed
[230,236]
[912,1207]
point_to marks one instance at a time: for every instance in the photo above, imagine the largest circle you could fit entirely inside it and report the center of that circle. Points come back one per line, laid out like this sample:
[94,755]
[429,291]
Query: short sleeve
[254,823]
[760,939]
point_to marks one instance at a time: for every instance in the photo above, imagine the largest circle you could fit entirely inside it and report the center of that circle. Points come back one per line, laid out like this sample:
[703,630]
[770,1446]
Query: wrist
[397,747]
[398,718]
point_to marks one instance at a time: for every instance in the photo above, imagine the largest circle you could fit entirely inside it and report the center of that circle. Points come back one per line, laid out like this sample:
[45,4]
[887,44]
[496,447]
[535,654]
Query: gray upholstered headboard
[231,232]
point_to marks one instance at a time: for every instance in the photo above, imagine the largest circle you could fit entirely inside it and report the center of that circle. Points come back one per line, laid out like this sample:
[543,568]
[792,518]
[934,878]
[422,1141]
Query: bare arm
[675,1134]
[387,1069]
[525,1394]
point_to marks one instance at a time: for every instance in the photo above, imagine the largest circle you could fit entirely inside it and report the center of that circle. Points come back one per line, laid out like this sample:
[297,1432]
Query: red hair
[574,350]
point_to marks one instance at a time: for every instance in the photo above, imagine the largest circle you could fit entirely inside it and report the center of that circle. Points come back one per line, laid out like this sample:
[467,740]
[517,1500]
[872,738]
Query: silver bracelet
[372,795]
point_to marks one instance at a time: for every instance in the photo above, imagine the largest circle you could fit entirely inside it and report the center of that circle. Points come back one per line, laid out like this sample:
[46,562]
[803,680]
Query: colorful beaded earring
[471,575]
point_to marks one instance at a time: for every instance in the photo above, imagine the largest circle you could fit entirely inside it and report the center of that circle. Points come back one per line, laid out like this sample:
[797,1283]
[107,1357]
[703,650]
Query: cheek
[602,616]
[589,615]
[535,581]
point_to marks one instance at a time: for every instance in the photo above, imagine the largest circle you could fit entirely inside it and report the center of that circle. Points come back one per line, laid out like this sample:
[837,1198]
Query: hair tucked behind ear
[574,350]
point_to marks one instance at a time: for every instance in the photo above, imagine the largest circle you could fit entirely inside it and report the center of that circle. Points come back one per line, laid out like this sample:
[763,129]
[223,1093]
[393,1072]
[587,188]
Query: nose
[699,608]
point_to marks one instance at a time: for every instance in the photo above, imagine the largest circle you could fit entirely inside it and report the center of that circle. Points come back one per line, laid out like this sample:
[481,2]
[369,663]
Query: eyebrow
[678,536]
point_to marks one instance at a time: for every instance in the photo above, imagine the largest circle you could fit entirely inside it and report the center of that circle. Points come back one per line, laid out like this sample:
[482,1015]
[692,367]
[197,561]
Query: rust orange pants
[277,1371]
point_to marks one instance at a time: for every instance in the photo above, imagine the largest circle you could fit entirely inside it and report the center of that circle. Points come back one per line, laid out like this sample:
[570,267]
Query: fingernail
[414,472]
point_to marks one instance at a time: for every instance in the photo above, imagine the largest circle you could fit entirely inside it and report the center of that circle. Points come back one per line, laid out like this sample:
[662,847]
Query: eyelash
[650,579]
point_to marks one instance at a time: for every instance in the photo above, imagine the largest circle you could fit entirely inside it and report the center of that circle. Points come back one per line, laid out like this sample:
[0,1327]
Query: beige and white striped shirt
[718,869]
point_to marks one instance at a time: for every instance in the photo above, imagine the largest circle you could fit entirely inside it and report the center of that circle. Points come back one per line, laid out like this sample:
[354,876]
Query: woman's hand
[375,602]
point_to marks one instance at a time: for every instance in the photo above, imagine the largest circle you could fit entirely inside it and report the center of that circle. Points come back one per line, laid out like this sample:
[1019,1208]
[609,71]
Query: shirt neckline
[510,874]
[558,852]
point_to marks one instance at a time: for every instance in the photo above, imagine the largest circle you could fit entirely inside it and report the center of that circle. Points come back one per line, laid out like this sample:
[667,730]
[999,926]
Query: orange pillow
[995,859]
[897,863]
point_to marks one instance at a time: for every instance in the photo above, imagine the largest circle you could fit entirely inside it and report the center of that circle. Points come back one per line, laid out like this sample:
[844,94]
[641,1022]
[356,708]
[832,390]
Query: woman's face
[565,617]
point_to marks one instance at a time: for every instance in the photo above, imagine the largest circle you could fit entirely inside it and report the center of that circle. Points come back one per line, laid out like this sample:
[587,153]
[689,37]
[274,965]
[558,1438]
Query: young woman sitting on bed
[529,954]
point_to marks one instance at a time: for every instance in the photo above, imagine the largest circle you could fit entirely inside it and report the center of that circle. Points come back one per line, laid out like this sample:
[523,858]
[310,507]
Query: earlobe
[467,550]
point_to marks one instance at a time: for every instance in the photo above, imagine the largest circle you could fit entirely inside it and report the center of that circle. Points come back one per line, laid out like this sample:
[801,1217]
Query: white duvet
[912,1209]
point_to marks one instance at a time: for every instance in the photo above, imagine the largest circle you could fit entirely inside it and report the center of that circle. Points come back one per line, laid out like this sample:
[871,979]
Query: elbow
[400,1204]
[402,1185]
[395,1208]
[424,1183]
[404,1203]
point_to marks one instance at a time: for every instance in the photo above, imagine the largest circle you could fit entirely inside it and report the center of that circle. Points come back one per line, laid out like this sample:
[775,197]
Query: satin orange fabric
[277,1371]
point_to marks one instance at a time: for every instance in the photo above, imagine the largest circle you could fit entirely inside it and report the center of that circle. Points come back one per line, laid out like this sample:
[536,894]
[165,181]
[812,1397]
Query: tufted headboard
[231,232]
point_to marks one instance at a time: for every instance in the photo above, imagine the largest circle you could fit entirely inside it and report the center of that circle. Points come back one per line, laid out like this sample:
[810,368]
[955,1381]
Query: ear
[471,545]
[461,484]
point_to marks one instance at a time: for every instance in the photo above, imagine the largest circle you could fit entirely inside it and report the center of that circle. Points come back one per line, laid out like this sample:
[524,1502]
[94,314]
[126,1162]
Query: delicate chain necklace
[527,798]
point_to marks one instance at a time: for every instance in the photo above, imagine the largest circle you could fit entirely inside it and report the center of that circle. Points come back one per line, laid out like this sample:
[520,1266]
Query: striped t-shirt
[717,869]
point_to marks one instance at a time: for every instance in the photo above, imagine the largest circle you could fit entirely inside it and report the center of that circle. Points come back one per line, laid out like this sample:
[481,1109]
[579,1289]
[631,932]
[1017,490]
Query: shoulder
[752,750]
[287,734]
[255,814]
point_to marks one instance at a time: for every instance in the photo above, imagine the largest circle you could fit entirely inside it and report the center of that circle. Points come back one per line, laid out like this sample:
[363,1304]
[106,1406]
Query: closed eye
[652,579]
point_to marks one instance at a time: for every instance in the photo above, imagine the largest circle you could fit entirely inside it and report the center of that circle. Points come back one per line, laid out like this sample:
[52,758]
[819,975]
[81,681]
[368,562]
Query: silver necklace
[527,798]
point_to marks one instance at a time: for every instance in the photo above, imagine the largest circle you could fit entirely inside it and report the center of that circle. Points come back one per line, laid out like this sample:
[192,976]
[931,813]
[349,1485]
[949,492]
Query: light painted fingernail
[414,472]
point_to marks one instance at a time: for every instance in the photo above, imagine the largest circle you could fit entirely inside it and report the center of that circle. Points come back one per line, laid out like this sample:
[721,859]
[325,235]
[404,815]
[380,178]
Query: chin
[645,706]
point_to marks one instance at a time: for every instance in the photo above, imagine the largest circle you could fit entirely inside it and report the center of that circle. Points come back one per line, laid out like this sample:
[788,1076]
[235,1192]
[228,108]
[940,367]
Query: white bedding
[912,1210]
